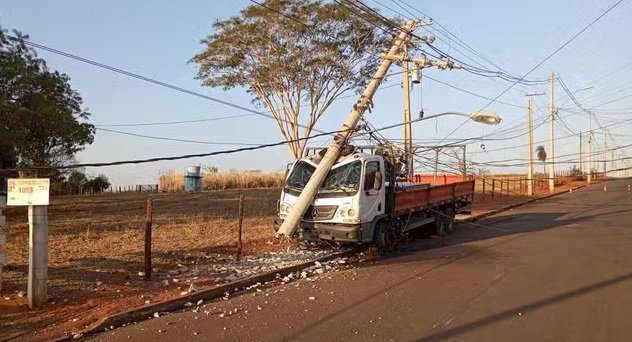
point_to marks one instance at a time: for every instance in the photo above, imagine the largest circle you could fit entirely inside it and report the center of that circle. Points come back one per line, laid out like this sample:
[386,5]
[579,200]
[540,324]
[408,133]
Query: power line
[545,59]
[177,139]
[150,80]
[624,122]
[175,122]
[471,92]
[500,73]
[220,117]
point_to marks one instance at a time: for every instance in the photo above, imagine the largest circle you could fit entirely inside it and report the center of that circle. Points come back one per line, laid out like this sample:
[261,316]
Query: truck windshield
[344,179]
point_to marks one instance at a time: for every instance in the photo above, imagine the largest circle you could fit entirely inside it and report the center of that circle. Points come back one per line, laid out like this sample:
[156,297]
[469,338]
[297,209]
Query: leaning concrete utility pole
[290,224]
[551,137]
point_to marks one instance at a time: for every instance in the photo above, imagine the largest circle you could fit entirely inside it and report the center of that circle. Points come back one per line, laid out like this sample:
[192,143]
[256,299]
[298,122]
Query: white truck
[361,200]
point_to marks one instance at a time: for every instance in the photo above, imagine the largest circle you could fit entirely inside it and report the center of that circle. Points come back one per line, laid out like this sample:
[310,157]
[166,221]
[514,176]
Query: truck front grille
[320,212]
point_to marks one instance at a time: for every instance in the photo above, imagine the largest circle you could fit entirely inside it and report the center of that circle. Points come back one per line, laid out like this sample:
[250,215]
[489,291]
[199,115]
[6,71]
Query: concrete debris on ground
[227,270]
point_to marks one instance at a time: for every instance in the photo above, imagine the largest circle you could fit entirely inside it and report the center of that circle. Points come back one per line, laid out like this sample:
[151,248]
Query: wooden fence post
[493,186]
[484,187]
[148,223]
[241,220]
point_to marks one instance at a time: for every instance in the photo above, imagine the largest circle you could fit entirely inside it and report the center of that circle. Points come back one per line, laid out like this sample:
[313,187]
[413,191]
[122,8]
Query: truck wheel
[384,238]
[449,220]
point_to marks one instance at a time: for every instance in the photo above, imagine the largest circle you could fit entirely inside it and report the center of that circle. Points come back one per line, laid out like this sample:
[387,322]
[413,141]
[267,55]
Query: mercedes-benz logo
[315,213]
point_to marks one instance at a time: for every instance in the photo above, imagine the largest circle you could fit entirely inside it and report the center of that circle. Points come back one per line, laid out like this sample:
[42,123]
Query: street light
[487,118]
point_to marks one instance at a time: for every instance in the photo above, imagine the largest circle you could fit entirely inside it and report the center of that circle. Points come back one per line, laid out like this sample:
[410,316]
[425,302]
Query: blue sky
[157,38]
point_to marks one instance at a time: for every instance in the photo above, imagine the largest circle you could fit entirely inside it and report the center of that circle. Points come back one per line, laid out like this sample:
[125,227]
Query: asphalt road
[557,270]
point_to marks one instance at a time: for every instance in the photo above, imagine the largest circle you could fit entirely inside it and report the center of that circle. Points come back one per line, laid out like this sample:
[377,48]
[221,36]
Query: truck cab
[347,203]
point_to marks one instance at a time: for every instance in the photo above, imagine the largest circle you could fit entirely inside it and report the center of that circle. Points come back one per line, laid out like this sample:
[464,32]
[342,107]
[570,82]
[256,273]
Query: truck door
[372,197]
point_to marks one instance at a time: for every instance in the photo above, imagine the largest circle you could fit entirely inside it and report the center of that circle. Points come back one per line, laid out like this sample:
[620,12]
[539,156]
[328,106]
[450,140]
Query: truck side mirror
[287,169]
[377,182]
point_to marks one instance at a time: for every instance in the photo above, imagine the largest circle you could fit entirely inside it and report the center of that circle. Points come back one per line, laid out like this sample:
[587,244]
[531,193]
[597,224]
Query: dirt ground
[96,248]
[96,251]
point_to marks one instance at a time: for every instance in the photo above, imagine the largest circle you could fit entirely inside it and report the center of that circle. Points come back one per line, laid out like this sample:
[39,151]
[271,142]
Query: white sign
[28,191]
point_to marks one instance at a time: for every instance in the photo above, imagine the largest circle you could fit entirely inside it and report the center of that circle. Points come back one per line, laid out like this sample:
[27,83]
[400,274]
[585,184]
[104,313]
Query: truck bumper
[335,232]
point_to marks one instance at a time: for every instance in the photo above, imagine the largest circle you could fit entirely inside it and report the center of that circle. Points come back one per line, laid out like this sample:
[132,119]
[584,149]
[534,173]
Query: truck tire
[449,220]
[384,237]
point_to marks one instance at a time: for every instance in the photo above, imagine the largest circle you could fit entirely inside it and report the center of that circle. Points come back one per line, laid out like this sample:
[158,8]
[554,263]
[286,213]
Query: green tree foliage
[98,184]
[75,183]
[41,120]
[78,183]
[307,56]
[541,154]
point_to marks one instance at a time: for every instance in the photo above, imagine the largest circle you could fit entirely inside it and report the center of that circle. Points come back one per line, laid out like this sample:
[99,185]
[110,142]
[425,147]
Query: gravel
[225,270]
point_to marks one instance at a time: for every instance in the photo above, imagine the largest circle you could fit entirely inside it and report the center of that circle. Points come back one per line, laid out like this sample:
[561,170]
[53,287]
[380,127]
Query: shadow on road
[477,324]
[493,227]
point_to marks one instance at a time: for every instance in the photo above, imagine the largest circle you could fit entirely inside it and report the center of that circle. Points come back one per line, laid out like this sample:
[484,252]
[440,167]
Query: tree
[76,182]
[98,184]
[541,154]
[41,120]
[290,54]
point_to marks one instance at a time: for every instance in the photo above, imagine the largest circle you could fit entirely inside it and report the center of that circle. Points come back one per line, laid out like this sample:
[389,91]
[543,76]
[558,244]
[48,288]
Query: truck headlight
[285,208]
[347,213]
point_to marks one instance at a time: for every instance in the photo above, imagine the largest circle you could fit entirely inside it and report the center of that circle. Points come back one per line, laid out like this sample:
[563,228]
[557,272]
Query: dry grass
[106,232]
[174,181]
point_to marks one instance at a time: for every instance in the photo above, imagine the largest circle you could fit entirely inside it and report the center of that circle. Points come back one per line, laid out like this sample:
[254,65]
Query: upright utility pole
[419,64]
[464,164]
[590,138]
[530,147]
[436,168]
[605,150]
[408,141]
[290,224]
[581,153]
[551,136]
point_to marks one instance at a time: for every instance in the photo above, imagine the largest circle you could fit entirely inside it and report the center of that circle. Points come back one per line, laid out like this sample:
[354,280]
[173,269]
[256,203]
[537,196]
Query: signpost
[34,193]
[3,240]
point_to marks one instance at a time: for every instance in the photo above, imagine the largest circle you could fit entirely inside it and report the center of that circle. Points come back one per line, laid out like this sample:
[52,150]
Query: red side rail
[420,199]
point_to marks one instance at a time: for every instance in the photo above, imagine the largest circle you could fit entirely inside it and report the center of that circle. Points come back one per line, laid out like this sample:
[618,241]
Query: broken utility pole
[290,224]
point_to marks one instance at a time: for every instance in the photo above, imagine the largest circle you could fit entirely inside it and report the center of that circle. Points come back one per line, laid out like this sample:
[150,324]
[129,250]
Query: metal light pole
[589,174]
[530,178]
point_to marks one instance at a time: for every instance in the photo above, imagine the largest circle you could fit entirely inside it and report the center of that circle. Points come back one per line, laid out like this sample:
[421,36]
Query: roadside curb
[141,313]
[509,207]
